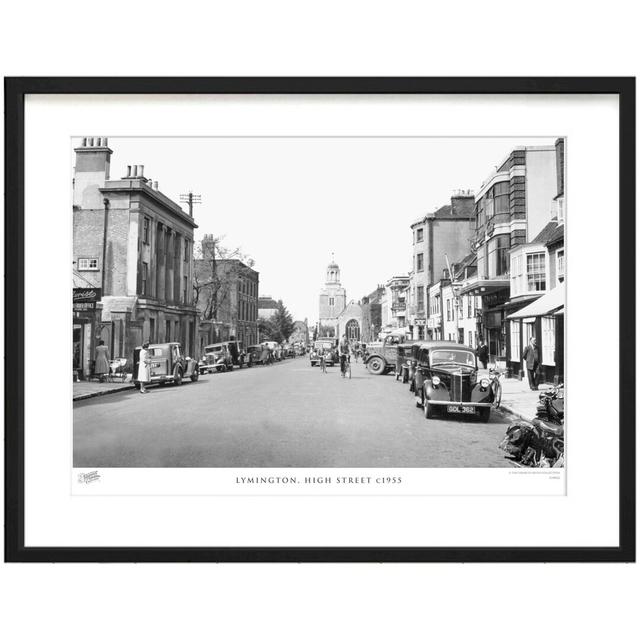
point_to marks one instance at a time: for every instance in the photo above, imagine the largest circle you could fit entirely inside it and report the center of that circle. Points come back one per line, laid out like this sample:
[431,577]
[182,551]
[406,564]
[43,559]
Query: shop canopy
[548,304]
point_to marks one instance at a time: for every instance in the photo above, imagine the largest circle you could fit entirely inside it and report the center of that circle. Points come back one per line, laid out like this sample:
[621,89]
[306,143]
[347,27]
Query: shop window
[548,341]
[515,341]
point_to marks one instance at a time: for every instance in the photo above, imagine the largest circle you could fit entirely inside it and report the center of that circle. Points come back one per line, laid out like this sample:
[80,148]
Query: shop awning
[545,305]
[482,287]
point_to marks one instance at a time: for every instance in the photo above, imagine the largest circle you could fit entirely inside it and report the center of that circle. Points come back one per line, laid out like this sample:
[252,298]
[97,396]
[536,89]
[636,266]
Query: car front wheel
[177,377]
[194,376]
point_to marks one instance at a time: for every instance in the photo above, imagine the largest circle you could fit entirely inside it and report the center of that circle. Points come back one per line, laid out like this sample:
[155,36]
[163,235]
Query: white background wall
[315,601]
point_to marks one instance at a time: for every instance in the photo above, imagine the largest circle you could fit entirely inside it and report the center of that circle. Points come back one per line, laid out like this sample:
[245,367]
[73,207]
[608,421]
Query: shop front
[86,317]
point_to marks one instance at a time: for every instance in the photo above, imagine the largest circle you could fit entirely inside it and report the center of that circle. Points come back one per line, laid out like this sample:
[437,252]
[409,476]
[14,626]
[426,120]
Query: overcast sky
[289,203]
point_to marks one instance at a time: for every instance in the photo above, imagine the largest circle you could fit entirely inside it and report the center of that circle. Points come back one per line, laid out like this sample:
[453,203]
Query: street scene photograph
[318,302]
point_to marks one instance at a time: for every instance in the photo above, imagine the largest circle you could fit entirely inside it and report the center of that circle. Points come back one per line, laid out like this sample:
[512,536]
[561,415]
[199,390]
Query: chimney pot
[155,185]
[105,141]
[128,171]
[141,170]
[99,143]
[84,142]
[135,171]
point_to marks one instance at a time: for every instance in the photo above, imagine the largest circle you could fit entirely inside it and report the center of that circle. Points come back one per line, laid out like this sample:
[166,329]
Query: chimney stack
[92,168]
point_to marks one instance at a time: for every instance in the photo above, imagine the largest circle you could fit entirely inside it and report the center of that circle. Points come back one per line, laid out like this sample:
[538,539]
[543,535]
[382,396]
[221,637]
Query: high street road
[288,414]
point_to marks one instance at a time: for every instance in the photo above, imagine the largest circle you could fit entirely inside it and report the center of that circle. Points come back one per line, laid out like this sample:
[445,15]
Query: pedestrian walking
[144,375]
[531,358]
[482,352]
[102,361]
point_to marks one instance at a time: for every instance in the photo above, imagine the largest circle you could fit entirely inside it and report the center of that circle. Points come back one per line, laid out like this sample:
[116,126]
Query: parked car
[446,380]
[217,357]
[168,364]
[327,347]
[382,357]
[253,354]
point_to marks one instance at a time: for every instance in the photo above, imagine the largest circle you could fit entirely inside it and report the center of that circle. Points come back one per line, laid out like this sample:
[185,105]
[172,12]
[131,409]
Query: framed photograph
[320,319]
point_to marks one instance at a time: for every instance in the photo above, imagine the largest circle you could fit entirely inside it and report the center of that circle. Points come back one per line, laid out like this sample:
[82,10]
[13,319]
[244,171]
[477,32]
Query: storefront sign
[85,299]
[419,322]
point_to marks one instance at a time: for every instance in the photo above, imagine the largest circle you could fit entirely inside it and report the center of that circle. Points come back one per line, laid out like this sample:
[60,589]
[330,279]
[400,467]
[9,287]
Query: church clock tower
[333,300]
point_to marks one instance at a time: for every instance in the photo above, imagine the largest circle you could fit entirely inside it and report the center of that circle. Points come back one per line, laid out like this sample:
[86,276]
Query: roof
[557,236]
[468,261]
[546,233]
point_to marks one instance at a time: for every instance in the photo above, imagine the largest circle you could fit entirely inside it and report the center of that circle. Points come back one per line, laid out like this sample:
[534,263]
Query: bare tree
[215,274]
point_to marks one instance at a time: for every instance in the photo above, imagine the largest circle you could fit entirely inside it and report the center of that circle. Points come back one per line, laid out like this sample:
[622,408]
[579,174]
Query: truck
[381,357]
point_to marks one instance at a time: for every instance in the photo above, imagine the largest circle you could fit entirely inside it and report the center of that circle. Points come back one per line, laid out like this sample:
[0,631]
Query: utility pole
[191,199]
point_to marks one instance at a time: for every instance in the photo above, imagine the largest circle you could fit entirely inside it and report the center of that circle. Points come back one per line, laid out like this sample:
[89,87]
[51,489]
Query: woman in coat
[102,360]
[143,367]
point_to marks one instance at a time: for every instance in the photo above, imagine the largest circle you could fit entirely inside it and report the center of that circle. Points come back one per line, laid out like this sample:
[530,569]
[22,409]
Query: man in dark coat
[483,353]
[531,357]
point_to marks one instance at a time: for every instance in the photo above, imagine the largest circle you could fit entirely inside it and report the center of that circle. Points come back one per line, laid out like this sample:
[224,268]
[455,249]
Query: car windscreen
[453,356]
[156,353]
[213,349]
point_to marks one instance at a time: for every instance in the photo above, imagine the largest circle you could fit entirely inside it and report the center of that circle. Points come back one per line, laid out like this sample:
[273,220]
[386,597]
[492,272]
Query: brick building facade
[136,245]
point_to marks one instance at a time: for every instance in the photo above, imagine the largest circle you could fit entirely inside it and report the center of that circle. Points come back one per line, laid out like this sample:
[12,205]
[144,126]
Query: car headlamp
[435,381]
[484,383]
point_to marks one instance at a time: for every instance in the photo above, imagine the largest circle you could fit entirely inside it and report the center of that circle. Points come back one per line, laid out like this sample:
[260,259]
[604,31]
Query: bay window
[535,272]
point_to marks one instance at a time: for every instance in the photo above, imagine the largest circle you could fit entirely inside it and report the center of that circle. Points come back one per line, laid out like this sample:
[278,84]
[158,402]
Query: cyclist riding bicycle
[343,352]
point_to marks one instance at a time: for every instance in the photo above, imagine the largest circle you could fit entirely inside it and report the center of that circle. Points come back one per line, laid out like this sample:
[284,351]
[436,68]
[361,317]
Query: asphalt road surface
[288,414]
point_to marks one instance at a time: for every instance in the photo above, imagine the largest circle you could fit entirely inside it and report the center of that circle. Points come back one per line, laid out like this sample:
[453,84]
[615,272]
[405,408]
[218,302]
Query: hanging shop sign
[85,298]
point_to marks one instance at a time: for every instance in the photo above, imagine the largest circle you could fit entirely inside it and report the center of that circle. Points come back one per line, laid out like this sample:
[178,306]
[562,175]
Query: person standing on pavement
[482,352]
[102,360]
[531,358]
[343,352]
[143,367]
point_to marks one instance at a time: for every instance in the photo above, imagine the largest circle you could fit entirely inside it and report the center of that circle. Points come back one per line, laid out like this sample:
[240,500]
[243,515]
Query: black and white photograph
[318,302]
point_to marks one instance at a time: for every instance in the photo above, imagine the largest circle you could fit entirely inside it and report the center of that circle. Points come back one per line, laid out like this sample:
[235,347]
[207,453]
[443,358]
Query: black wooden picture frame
[15,91]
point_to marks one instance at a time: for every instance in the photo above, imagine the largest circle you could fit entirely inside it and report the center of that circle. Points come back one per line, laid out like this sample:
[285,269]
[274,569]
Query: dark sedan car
[447,381]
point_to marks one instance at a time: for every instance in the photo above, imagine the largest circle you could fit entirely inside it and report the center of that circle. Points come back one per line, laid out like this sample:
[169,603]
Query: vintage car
[447,381]
[327,347]
[382,357]
[254,352]
[167,364]
[216,357]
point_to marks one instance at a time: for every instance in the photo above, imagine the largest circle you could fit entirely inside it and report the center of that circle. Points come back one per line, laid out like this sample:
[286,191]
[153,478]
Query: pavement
[84,389]
[288,414]
[518,400]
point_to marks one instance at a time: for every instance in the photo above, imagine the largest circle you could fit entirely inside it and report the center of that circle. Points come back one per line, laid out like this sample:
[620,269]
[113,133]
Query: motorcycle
[541,442]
